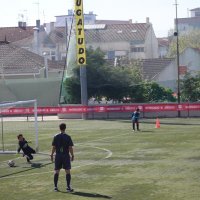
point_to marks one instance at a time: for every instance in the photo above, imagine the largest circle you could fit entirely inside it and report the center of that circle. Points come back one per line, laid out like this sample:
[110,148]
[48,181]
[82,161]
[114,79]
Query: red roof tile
[13,34]
[118,32]
[16,60]
[152,67]
[111,33]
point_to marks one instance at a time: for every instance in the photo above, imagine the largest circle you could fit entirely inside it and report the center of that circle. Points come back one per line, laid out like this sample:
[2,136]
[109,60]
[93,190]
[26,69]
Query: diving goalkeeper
[27,150]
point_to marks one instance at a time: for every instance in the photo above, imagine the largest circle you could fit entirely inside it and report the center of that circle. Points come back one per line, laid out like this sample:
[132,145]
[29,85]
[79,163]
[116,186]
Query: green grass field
[111,161]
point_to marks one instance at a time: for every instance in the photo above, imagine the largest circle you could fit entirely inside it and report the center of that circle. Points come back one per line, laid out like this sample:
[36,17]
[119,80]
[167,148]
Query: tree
[189,39]
[151,92]
[102,79]
[122,83]
[73,90]
[95,77]
[190,88]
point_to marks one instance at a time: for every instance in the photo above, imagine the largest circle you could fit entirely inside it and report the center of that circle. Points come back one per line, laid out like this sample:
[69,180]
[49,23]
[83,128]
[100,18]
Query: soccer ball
[11,163]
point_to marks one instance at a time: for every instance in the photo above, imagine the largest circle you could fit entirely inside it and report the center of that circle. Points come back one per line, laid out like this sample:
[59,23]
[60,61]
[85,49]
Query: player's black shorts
[28,151]
[62,161]
[136,120]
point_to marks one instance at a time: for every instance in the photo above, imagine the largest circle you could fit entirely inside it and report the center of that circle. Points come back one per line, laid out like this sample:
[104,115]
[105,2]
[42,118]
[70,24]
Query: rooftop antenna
[188,12]
[22,18]
[25,16]
[44,16]
[38,8]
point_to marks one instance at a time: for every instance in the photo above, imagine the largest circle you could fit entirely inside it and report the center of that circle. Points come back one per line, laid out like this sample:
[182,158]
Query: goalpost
[22,120]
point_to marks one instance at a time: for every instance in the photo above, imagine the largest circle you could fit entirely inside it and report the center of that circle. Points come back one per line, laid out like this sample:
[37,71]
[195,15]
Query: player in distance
[135,119]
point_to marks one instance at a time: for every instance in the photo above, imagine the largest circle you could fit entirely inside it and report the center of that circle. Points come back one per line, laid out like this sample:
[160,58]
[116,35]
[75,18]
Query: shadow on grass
[152,121]
[33,166]
[146,131]
[37,165]
[92,195]
[172,123]
[197,158]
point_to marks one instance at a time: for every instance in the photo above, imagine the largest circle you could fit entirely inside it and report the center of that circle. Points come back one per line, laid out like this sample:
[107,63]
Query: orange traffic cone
[157,123]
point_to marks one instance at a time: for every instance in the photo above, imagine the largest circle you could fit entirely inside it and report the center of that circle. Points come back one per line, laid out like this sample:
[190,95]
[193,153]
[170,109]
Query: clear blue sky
[160,12]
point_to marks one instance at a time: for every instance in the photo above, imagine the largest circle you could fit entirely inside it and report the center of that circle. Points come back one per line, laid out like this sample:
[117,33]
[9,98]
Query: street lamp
[176,33]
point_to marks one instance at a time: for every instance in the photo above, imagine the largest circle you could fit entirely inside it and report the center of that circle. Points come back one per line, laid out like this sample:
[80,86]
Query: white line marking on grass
[107,150]
[75,167]
[93,140]
[108,137]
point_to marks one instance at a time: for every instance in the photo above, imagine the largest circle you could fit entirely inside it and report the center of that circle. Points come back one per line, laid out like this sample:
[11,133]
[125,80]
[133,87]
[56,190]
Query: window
[137,49]
[111,54]
[53,53]
[63,58]
[197,14]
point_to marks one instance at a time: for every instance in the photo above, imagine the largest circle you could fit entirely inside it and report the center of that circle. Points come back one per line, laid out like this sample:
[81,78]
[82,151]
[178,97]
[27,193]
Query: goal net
[18,118]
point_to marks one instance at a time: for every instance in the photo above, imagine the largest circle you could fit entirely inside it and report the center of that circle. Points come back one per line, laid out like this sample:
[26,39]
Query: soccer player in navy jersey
[62,145]
[27,150]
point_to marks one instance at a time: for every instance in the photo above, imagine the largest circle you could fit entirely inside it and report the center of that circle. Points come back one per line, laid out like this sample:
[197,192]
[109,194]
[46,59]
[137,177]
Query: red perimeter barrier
[98,109]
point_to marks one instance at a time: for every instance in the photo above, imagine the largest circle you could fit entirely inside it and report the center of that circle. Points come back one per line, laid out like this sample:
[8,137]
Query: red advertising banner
[160,107]
[99,109]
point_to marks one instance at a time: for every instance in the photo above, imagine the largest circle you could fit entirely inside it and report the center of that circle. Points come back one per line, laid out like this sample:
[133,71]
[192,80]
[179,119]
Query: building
[163,47]
[131,40]
[115,38]
[164,71]
[190,23]
[25,75]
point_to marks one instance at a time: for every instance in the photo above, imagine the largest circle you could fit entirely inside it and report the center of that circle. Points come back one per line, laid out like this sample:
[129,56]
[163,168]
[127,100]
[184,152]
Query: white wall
[151,44]
[191,59]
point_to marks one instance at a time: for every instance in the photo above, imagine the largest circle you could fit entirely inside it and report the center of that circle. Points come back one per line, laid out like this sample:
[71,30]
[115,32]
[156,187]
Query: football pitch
[111,161]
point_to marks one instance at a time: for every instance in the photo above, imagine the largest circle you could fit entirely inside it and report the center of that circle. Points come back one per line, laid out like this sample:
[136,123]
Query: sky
[160,12]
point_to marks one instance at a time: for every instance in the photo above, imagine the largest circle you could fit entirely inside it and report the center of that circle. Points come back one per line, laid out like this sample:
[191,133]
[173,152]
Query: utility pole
[176,33]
